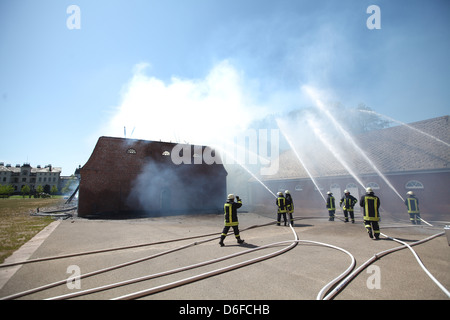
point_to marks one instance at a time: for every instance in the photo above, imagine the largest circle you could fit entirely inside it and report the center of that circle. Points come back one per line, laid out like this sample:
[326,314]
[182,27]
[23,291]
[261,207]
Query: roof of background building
[416,147]
[17,169]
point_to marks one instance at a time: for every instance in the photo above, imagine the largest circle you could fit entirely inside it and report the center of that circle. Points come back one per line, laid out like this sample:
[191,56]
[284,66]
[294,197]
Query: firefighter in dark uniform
[412,203]
[289,206]
[349,202]
[331,206]
[371,205]
[231,219]
[282,208]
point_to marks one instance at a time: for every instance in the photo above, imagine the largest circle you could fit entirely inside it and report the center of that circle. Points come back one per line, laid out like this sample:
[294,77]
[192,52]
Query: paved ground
[298,274]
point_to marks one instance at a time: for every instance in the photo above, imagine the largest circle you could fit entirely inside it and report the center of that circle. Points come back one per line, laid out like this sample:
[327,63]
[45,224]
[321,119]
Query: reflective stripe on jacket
[230,215]
[370,204]
[289,204]
[349,202]
[413,204]
[281,203]
[330,203]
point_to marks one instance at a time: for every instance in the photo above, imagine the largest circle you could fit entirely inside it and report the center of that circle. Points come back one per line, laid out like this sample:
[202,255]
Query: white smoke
[194,111]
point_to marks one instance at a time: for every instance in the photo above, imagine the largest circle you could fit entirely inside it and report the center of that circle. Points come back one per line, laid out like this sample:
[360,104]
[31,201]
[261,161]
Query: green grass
[17,226]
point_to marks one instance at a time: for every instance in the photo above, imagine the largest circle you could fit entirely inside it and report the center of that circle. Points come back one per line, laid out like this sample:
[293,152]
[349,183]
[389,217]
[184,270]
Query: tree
[25,190]
[39,190]
[5,191]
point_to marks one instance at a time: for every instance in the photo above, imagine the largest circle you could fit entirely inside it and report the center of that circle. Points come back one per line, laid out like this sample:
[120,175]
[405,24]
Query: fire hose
[421,263]
[61,282]
[171,285]
[238,265]
[293,243]
[349,278]
[178,283]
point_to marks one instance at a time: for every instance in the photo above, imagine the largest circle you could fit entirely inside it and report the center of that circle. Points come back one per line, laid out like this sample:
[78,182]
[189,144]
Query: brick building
[409,157]
[127,177]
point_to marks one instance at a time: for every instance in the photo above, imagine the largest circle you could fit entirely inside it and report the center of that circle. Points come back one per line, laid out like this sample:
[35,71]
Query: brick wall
[130,176]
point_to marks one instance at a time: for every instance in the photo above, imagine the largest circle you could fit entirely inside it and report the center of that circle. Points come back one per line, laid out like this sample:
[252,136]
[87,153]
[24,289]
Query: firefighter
[331,206]
[231,219]
[412,203]
[289,206]
[349,202]
[281,204]
[371,205]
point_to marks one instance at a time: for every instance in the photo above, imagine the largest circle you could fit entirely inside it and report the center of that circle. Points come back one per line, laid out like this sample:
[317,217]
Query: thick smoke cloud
[195,111]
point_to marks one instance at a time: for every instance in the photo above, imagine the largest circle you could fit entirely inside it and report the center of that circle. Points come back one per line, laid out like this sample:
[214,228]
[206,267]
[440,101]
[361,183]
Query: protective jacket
[230,215]
[281,203]
[289,204]
[349,202]
[371,205]
[413,204]
[330,203]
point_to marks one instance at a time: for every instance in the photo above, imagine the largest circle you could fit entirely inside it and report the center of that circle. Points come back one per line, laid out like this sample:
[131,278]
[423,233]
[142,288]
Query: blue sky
[193,69]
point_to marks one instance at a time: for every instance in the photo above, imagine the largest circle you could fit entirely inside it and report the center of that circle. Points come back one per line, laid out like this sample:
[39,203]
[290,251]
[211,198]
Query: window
[414,184]
[351,185]
[373,185]
[166,153]
[131,151]
[298,187]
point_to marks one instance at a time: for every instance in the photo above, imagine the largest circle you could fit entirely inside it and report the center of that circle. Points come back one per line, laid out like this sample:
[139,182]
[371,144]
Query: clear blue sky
[165,67]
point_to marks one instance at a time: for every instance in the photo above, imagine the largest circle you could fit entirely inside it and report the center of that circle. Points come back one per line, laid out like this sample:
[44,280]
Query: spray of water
[280,126]
[223,151]
[254,157]
[407,125]
[319,133]
[312,93]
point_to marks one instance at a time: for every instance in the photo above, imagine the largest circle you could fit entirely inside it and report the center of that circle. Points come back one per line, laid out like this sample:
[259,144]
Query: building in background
[25,175]
[414,157]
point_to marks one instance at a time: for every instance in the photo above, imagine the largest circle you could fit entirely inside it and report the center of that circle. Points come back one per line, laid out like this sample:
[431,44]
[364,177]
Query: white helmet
[329,192]
[346,191]
[287,192]
[410,193]
[230,196]
[279,193]
[369,190]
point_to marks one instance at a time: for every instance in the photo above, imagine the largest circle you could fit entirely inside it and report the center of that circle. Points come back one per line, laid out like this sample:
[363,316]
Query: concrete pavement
[298,274]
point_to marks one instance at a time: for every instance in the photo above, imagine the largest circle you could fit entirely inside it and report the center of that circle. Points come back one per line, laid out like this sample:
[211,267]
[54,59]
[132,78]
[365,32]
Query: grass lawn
[16,224]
